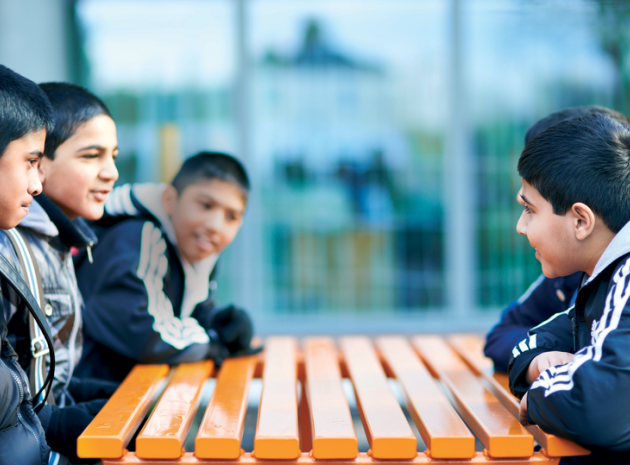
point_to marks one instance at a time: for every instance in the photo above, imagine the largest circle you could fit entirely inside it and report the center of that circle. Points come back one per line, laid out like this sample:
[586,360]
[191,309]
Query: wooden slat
[362,459]
[331,422]
[496,428]
[386,427]
[110,431]
[165,432]
[470,348]
[277,430]
[221,429]
[504,381]
[442,430]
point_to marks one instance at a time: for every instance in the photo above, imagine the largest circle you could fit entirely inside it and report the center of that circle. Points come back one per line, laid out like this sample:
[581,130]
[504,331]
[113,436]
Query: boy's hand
[64,425]
[544,361]
[522,411]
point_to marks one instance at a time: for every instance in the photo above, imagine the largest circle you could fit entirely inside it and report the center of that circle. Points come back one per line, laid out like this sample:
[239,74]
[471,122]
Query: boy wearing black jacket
[25,117]
[149,293]
[573,371]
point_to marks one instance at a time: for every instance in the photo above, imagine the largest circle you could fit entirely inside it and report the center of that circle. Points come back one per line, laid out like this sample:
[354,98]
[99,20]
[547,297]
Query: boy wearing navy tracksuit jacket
[148,293]
[573,371]
[545,297]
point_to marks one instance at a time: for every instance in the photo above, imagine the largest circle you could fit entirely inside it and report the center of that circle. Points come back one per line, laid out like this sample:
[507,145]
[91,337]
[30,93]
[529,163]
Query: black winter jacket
[22,438]
[586,400]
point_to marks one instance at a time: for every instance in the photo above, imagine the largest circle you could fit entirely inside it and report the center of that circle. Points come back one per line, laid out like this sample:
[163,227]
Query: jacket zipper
[16,378]
[21,419]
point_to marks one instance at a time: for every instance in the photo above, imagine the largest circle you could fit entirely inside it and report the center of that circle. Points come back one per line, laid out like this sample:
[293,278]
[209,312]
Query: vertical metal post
[459,190]
[170,152]
[250,241]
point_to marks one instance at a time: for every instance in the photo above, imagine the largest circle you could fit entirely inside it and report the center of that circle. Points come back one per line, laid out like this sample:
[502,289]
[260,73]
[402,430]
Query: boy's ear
[583,220]
[169,199]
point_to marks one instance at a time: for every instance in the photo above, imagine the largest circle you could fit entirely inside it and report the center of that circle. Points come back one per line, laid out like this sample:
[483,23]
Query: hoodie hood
[144,200]
[47,219]
[39,221]
[618,247]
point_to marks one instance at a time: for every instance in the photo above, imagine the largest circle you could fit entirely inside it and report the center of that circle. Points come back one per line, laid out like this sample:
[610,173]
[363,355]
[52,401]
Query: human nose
[521,225]
[35,180]
[109,172]
[214,220]
[40,175]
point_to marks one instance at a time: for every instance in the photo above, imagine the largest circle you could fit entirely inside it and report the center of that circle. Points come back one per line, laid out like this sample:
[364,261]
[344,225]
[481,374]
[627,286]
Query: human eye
[34,160]
[526,209]
[90,156]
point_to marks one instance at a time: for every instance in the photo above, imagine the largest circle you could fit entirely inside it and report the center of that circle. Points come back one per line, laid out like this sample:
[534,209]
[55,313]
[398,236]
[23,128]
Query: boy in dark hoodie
[545,297]
[148,295]
[573,371]
[25,118]
[78,172]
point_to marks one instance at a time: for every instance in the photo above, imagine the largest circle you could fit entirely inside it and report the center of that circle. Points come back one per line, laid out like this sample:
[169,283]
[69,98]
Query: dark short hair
[206,166]
[584,160]
[570,113]
[24,108]
[72,106]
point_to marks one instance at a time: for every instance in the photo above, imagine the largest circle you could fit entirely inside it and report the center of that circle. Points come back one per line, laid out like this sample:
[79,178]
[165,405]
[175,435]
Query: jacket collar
[618,247]
[141,200]
[46,218]
[144,200]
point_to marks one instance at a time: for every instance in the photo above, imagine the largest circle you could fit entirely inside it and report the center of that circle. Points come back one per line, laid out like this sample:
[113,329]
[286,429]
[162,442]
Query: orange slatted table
[447,385]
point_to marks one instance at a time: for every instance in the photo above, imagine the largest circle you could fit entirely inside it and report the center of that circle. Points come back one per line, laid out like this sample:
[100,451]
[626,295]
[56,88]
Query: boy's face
[83,172]
[551,235]
[19,178]
[206,217]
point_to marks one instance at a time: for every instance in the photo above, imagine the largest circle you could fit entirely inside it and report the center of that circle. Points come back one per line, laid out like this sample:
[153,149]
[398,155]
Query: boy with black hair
[25,117]
[545,297]
[572,372]
[148,294]
[79,171]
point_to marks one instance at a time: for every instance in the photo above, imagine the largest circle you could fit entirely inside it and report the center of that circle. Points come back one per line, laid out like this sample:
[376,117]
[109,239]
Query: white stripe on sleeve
[561,378]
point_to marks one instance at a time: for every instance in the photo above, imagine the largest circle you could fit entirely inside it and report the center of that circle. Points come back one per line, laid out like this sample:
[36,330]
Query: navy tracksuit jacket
[543,299]
[586,400]
[135,291]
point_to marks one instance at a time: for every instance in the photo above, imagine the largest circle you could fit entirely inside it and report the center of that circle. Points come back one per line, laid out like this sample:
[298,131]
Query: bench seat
[448,387]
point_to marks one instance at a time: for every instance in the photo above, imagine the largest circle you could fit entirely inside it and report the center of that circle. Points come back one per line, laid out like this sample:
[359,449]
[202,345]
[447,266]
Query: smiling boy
[573,371]
[148,294]
[544,297]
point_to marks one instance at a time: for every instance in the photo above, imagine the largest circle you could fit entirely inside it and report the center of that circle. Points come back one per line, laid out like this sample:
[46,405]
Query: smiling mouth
[205,243]
[101,195]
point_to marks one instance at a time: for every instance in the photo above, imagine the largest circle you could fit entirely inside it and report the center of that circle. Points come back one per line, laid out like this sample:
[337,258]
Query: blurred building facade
[381,139]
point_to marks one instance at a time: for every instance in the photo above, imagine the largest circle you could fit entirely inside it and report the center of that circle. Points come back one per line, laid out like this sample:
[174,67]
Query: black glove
[64,425]
[83,390]
[218,352]
[234,328]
